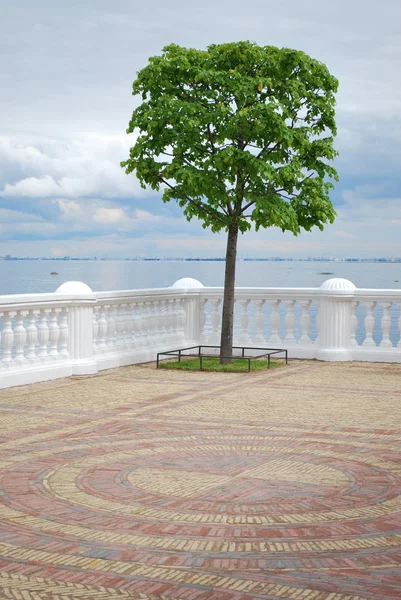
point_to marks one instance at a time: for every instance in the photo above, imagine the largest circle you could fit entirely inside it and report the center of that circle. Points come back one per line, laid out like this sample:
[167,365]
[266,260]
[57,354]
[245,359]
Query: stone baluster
[7,336]
[162,320]
[167,320]
[386,324]
[64,334]
[274,322]
[174,320]
[305,323]
[244,338]
[354,323]
[202,319]
[129,324]
[399,327]
[31,336]
[289,322]
[137,324]
[146,324]
[43,334]
[95,330]
[181,318]
[111,327]
[125,325]
[259,323]
[117,325]
[102,329]
[318,322]
[369,324]
[215,321]
[153,322]
[156,322]
[143,326]
[54,332]
[120,325]
[20,337]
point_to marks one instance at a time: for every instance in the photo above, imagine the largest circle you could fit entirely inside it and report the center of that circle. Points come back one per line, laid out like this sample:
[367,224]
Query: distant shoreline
[216,259]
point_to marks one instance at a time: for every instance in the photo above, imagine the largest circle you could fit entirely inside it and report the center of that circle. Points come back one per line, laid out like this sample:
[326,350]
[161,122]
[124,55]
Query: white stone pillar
[335,320]
[80,326]
[192,309]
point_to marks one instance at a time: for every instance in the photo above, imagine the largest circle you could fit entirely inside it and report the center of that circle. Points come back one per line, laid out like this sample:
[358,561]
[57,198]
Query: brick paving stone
[146,484]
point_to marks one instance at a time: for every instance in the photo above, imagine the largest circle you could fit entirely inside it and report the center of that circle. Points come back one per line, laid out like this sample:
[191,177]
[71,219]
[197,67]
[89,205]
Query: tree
[238,135]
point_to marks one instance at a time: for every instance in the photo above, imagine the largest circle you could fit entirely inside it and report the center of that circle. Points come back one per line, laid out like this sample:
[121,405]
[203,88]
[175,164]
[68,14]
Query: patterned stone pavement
[151,484]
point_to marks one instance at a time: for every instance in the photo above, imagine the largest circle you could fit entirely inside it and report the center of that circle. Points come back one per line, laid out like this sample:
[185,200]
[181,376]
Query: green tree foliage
[238,135]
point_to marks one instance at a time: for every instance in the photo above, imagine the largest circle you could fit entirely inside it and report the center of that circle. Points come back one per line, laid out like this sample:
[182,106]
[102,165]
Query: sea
[35,276]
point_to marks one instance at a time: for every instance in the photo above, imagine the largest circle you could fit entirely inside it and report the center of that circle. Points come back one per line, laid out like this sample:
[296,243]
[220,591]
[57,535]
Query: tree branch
[248,205]
[186,161]
[199,205]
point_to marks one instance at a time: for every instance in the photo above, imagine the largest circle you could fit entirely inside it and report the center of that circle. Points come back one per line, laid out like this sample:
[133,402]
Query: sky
[66,71]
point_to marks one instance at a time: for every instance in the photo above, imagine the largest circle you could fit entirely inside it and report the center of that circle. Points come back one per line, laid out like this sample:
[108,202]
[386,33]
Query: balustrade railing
[77,331]
[263,317]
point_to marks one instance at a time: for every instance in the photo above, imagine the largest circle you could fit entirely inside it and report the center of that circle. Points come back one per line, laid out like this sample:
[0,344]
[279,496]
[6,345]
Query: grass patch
[213,364]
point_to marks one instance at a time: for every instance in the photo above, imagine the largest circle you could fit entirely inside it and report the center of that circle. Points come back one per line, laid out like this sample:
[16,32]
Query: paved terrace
[150,484]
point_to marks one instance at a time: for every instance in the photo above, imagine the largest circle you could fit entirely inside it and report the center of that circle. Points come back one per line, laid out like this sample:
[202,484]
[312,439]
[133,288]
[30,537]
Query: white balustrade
[31,336]
[369,324]
[274,323]
[75,330]
[259,322]
[305,339]
[64,334]
[244,338]
[129,324]
[54,332]
[202,319]
[385,325]
[216,315]
[102,329]
[95,330]
[289,322]
[43,334]
[155,321]
[7,337]
[111,327]
[20,337]
[354,323]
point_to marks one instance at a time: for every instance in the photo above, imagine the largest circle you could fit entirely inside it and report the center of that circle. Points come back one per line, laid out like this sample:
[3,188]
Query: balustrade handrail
[263,292]
[21,300]
[378,294]
[144,293]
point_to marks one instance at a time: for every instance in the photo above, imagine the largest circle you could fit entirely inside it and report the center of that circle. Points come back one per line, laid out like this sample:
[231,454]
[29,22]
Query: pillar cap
[188,283]
[338,286]
[74,288]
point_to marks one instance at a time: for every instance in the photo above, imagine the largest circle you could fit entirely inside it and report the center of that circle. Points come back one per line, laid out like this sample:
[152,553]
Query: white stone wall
[77,331]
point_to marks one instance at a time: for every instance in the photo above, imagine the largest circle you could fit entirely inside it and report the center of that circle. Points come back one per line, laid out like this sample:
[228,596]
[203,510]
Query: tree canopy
[237,132]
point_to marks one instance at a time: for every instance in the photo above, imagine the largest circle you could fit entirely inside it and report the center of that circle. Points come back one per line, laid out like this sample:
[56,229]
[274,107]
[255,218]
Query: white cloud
[144,215]
[71,210]
[110,215]
[86,166]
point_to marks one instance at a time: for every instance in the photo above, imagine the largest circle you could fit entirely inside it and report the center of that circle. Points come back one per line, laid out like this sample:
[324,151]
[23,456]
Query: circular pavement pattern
[196,513]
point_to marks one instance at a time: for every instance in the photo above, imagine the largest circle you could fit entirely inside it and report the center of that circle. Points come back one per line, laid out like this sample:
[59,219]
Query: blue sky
[66,75]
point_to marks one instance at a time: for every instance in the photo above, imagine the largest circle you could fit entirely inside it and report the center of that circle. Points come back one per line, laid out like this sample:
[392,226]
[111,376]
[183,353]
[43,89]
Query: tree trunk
[227,324]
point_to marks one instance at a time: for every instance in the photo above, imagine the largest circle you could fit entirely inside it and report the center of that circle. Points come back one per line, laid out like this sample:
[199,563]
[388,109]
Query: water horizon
[36,276]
